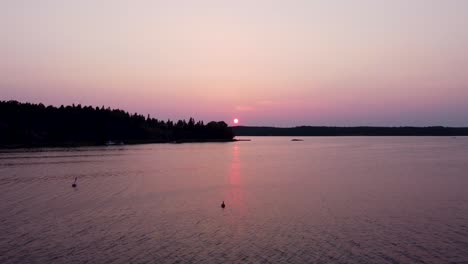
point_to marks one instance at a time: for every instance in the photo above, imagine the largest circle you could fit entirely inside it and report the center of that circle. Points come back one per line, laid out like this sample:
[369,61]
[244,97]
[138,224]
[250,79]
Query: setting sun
[236,121]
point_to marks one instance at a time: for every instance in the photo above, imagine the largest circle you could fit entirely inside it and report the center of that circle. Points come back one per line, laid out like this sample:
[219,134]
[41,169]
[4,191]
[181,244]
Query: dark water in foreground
[323,200]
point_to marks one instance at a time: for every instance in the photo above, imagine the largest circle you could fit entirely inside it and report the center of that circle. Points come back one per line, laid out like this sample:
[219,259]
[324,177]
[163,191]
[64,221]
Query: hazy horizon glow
[275,63]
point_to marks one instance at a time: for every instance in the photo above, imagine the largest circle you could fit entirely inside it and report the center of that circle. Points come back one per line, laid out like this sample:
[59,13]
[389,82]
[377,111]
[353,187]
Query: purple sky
[281,63]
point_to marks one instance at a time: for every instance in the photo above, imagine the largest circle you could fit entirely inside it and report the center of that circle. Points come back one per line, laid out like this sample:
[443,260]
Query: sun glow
[236,121]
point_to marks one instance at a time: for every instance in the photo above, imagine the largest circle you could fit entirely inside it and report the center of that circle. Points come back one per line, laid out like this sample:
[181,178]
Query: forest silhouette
[350,131]
[30,125]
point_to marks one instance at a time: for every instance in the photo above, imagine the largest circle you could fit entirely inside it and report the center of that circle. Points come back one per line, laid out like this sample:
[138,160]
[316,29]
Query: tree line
[350,131]
[27,124]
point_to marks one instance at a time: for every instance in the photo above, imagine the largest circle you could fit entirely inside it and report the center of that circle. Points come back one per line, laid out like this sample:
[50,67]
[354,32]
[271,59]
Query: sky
[273,63]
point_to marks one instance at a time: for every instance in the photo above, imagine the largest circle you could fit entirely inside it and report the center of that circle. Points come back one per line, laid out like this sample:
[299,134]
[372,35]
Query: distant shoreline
[322,131]
[26,125]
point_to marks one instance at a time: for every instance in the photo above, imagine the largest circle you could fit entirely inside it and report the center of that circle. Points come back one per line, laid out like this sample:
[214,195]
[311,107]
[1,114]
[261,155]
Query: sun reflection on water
[235,192]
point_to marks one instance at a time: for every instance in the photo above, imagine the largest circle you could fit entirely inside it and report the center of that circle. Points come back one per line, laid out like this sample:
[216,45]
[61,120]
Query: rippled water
[323,200]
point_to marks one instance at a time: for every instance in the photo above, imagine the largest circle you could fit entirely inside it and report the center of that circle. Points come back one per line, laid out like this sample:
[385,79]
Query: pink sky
[282,63]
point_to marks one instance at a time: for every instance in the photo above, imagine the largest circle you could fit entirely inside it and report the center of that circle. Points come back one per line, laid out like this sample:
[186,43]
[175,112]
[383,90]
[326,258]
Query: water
[323,200]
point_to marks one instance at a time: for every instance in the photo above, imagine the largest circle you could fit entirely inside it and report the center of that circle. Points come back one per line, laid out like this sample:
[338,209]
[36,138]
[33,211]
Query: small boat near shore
[114,143]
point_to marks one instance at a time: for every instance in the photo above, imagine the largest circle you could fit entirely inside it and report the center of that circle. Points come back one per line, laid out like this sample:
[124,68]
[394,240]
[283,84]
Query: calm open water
[323,200]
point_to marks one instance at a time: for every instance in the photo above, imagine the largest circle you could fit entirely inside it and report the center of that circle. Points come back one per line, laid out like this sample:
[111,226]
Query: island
[37,125]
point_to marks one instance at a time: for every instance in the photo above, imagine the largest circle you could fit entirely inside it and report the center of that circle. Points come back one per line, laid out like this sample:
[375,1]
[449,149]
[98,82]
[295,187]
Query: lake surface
[322,200]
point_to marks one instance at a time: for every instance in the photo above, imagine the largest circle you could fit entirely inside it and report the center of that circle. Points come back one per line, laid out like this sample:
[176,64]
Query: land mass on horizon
[349,131]
[37,125]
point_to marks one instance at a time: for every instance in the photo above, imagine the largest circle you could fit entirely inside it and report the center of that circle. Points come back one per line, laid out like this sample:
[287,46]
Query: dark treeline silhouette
[26,124]
[350,131]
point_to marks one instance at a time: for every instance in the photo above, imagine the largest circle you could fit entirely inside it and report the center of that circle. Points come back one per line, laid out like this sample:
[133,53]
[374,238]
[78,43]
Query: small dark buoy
[223,205]
[74,184]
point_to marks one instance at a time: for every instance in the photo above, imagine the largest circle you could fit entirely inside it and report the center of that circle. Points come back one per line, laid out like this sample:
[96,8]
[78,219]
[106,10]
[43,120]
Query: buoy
[223,205]
[74,184]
